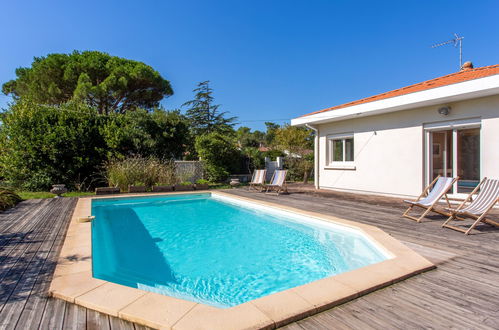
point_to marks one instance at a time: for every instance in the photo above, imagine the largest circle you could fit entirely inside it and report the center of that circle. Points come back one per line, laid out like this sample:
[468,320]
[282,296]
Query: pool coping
[73,282]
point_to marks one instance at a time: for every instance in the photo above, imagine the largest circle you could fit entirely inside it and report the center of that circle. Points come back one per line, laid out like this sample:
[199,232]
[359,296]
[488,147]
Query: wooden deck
[462,293]
[31,236]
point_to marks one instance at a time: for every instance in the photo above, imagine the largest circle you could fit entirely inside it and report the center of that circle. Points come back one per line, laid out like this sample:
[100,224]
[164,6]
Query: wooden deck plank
[33,309]
[19,281]
[31,237]
[75,317]
[97,321]
[462,293]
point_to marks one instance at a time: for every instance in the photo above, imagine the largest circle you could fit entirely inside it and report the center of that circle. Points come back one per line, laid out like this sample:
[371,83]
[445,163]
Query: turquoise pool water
[216,250]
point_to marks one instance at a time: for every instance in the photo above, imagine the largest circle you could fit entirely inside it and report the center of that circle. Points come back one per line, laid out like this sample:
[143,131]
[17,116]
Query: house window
[341,149]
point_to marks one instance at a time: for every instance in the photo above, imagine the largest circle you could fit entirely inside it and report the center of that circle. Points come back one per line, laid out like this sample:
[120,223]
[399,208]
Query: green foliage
[108,83]
[255,158]
[139,171]
[219,154]
[44,145]
[294,139]
[43,194]
[270,133]
[202,181]
[204,116]
[246,138]
[160,134]
[273,153]
[298,142]
[8,199]
[186,183]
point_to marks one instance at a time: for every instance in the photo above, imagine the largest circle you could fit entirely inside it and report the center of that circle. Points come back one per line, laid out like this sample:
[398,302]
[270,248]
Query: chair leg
[409,209]
[467,232]
[406,214]
[452,217]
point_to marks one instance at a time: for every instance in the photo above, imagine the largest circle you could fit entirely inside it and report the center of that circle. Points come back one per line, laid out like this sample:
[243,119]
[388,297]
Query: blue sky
[267,60]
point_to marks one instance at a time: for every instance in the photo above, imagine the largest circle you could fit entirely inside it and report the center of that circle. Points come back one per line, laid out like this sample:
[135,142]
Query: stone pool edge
[73,282]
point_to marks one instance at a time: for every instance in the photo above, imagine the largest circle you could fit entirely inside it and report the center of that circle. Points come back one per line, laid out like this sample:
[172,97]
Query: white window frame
[343,165]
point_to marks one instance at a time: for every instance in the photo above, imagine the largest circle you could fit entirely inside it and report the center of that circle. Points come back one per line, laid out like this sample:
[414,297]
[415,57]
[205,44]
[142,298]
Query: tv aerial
[457,41]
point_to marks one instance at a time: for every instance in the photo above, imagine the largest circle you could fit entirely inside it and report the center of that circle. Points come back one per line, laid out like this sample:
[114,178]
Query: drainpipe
[316,155]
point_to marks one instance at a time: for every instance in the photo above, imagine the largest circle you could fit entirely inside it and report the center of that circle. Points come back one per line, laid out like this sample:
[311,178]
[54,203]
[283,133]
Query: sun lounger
[430,198]
[278,182]
[487,196]
[258,180]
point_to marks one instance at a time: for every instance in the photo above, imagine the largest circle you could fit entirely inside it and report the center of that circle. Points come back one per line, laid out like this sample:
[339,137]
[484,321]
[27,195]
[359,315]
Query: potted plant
[202,184]
[184,186]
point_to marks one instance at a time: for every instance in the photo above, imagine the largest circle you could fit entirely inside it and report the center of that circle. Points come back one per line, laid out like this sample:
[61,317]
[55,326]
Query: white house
[395,143]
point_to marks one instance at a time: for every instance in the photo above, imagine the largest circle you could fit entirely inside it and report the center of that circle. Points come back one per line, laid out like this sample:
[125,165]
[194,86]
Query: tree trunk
[306,174]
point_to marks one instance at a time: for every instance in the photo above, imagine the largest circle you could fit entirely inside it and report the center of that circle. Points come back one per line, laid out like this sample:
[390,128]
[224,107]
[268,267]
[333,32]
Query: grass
[43,194]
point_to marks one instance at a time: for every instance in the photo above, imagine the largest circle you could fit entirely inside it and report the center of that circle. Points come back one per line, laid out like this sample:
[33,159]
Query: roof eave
[451,93]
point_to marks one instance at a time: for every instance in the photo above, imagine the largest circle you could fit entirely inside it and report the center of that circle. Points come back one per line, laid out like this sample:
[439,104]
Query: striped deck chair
[258,180]
[278,182]
[430,197]
[478,208]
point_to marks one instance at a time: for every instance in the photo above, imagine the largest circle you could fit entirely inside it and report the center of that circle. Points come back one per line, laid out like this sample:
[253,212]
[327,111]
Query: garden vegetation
[88,119]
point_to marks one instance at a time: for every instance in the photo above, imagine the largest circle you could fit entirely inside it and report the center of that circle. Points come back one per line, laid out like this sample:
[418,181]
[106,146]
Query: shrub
[8,199]
[219,155]
[139,171]
[299,169]
[202,181]
[159,134]
[43,145]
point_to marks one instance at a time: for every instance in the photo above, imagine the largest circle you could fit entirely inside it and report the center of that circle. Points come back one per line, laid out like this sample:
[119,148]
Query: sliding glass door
[468,159]
[453,149]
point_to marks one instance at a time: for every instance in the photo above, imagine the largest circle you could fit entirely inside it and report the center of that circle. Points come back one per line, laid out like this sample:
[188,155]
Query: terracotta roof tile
[453,78]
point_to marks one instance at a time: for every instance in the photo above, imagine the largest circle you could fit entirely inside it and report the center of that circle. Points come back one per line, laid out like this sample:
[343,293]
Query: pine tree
[204,116]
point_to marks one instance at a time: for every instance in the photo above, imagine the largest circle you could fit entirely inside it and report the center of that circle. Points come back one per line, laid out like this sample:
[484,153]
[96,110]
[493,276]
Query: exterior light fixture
[444,111]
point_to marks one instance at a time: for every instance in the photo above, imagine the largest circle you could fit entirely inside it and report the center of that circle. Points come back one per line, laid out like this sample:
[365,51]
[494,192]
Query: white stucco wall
[389,148]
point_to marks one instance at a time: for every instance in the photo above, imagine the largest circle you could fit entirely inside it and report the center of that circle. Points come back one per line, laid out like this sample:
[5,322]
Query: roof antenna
[456,41]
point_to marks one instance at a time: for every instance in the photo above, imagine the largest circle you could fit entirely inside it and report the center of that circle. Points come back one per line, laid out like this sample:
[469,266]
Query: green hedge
[43,145]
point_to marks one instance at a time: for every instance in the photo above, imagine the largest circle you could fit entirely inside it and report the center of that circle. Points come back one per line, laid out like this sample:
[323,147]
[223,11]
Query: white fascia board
[440,95]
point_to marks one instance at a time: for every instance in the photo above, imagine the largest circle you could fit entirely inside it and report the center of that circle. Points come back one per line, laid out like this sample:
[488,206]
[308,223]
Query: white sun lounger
[278,182]
[434,192]
[258,180]
[478,208]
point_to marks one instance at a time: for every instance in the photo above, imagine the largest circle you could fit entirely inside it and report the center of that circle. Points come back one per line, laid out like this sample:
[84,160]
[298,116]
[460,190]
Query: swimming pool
[218,250]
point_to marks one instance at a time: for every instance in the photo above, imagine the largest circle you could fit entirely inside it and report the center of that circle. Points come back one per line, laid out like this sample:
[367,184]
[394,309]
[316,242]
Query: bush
[139,171]
[43,145]
[299,169]
[159,134]
[219,155]
[8,199]
[202,181]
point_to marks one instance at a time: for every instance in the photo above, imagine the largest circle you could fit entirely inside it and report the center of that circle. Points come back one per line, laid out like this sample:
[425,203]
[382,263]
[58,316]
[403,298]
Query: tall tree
[110,84]
[297,142]
[270,132]
[205,116]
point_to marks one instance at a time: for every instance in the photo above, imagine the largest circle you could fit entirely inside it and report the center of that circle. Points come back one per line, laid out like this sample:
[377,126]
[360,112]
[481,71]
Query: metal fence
[189,170]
